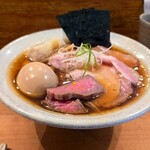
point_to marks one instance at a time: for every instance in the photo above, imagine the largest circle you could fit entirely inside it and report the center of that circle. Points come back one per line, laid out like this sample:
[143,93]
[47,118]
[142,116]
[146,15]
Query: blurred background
[18,18]
[146,6]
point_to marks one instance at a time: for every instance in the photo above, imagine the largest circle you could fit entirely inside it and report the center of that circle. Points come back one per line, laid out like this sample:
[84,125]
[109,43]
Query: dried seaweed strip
[87,26]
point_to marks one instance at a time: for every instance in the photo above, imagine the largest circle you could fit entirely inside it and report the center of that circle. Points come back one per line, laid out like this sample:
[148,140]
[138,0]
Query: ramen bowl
[50,118]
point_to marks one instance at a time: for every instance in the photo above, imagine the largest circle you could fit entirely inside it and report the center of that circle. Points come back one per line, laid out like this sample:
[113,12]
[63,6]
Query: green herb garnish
[86,49]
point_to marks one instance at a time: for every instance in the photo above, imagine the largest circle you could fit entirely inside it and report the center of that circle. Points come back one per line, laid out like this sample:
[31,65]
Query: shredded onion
[82,55]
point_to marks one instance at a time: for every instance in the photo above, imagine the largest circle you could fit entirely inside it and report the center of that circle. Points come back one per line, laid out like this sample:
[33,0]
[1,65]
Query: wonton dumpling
[44,49]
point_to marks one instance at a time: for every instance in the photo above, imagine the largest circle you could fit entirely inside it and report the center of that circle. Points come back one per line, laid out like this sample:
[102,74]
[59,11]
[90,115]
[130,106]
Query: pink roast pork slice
[68,106]
[85,88]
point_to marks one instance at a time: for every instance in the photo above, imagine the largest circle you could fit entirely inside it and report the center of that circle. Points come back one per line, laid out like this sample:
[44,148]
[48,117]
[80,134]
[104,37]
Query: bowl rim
[67,120]
[143,18]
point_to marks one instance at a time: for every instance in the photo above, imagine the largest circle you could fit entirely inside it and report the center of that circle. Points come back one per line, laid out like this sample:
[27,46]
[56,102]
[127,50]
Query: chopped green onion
[95,63]
[86,48]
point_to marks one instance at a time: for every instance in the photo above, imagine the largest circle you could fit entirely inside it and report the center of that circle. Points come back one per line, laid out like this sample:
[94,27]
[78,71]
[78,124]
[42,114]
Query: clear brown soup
[21,60]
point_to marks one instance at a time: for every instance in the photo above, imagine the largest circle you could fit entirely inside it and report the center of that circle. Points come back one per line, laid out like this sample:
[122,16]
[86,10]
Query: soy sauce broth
[21,60]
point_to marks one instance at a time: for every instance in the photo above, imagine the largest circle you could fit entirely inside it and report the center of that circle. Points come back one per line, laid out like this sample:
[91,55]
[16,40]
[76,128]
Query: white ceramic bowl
[8,97]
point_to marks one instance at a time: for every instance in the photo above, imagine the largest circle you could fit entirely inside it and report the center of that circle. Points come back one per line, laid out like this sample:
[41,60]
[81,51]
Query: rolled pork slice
[126,90]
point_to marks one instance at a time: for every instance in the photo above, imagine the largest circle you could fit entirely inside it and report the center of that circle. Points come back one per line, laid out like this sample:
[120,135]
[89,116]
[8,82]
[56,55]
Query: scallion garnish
[86,49]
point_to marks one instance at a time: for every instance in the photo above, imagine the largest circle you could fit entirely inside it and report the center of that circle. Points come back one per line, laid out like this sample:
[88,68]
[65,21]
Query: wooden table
[18,18]
[23,134]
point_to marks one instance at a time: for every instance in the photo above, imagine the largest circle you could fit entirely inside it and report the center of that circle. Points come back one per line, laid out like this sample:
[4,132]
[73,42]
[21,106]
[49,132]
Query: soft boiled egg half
[34,78]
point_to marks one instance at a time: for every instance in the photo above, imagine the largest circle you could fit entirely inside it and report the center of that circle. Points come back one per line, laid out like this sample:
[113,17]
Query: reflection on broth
[94,87]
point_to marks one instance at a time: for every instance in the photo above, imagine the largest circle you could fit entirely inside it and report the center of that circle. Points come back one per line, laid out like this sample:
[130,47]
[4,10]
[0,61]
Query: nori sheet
[87,26]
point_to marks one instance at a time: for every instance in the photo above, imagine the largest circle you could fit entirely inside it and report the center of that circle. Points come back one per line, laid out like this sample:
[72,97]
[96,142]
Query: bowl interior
[12,100]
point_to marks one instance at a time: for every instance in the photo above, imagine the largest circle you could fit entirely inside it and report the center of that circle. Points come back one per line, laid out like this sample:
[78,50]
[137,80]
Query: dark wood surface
[20,17]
